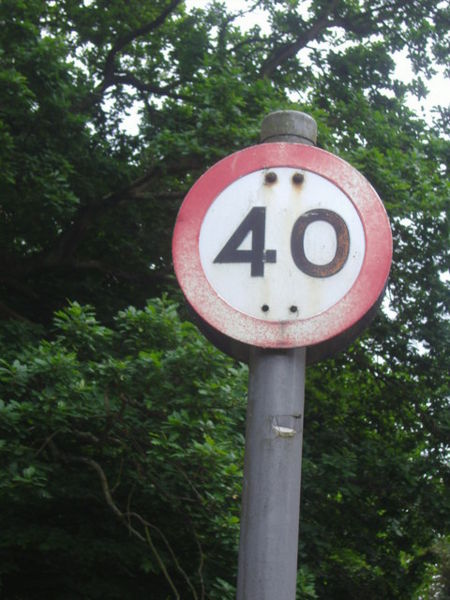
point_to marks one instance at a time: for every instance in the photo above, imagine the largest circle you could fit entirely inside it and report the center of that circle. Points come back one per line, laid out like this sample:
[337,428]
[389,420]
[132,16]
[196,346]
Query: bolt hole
[298,178]
[265,307]
[293,309]
[270,177]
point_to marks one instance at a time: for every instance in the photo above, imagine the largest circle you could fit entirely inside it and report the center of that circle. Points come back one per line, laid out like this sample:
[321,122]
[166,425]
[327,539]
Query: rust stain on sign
[261,309]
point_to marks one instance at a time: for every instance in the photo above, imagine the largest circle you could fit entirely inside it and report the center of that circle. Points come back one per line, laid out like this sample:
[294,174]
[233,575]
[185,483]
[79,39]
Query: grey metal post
[273,447]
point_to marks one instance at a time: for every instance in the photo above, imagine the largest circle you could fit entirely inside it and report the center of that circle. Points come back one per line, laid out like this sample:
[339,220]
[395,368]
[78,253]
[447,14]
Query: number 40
[257,256]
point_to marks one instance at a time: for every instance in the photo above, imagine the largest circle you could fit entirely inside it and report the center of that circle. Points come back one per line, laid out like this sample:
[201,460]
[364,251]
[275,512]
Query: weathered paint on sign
[282,245]
[298,227]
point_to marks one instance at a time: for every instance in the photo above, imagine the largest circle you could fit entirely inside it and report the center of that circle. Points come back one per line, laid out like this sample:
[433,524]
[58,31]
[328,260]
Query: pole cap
[289,126]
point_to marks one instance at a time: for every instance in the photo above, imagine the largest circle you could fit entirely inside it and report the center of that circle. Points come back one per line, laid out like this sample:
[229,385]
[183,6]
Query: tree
[90,446]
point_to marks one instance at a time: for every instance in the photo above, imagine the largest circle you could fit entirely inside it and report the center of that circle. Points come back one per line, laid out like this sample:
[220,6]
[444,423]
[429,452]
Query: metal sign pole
[273,451]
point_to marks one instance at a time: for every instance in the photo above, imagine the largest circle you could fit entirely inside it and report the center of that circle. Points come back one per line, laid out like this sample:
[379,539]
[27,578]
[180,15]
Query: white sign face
[282,244]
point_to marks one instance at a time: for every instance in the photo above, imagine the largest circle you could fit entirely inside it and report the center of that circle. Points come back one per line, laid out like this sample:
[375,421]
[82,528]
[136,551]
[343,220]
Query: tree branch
[161,562]
[147,526]
[127,78]
[118,46]
[125,518]
[10,313]
[106,491]
[201,561]
[96,265]
[283,53]
[247,42]
[46,442]
[11,266]
[87,215]
[132,35]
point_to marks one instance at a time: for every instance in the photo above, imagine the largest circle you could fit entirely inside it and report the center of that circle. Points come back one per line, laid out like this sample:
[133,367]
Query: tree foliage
[126,442]
[121,429]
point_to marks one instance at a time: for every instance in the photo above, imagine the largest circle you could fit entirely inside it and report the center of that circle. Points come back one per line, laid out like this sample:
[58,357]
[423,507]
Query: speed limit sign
[281,246]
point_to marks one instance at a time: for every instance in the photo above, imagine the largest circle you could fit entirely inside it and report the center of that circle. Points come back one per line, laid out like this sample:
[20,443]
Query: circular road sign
[281,246]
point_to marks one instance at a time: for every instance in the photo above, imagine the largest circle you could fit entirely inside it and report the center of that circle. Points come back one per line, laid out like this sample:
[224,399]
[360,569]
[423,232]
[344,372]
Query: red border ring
[333,322]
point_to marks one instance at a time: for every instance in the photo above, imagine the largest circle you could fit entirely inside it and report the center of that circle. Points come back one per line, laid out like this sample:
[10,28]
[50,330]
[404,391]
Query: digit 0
[298,245]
